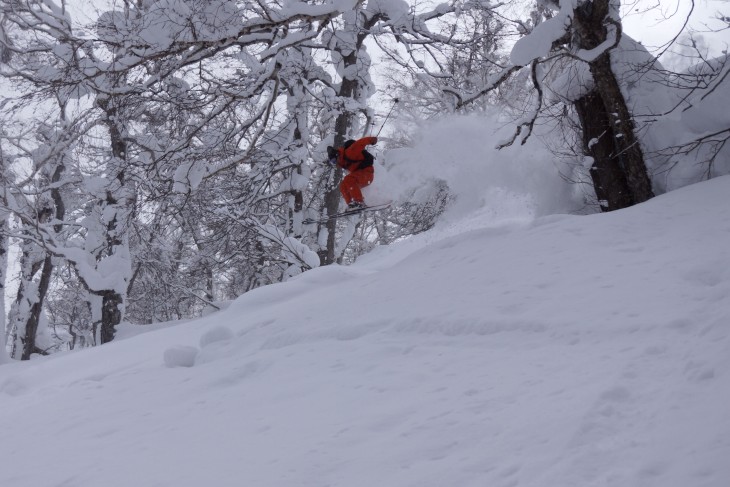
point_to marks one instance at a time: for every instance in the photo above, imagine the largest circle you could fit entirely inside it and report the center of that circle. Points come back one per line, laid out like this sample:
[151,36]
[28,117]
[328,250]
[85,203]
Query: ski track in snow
[563,351]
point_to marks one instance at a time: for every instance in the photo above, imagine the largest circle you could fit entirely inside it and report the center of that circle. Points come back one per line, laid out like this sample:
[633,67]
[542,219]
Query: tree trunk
[4,246]
[332,198]
[118,201]
[609,181]
[34,315]
[619,172]
[111,314]
[22,324]
[628,151]
[56,207]
[298,102]
[3,274]
[112,302]
[343,127]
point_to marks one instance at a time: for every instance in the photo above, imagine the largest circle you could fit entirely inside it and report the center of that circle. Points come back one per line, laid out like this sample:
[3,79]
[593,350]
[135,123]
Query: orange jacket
[351,157]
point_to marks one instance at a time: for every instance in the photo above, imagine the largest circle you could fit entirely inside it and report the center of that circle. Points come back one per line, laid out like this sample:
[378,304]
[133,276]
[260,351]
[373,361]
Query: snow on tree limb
[613,37]
[493,83]
[538,43]
[528,121]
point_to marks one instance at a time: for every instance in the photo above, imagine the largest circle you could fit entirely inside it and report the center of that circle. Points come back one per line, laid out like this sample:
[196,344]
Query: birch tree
[4,247]
[44,147]
[42,206]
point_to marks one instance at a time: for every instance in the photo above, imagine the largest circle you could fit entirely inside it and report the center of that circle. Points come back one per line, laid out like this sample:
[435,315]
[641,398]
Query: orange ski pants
[356,180]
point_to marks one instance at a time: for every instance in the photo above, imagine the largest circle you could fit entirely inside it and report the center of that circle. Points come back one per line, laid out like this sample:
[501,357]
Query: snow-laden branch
[538,43]
[613,37]
[295,251]
[108,274]
[492,83]
[528,122]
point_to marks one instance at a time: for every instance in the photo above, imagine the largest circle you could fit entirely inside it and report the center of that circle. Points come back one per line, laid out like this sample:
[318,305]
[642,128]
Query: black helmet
[349,143]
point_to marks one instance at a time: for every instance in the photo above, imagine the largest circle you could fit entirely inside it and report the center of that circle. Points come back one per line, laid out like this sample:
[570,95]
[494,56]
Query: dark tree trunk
[619,172]
[608,178]
[628,150]
[111,314]
[3,273]
[113,301]
[332,198]
[31,325]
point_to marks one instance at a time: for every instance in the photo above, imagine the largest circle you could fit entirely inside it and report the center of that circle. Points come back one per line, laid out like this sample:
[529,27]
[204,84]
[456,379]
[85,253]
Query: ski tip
[346,213]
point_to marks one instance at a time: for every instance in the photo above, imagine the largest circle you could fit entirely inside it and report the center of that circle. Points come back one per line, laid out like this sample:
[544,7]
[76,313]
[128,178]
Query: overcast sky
[655,26]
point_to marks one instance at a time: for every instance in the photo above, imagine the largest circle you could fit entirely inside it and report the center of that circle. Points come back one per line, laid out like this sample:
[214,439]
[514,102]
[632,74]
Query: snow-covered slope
[554,352]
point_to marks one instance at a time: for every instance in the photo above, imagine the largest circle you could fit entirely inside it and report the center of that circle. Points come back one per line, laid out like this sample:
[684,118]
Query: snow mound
[216,334]
[180,356]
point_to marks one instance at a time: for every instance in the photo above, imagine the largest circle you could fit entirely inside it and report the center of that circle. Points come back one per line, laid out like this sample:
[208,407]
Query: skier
[359,163]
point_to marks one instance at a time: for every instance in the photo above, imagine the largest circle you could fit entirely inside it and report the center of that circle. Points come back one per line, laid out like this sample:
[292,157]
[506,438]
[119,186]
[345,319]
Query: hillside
[551,351]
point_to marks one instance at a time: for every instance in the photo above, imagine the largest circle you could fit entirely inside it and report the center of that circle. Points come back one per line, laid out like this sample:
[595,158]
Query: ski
[365,209]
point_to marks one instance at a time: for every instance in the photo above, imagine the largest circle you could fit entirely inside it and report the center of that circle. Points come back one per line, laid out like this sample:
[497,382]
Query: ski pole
[395,102]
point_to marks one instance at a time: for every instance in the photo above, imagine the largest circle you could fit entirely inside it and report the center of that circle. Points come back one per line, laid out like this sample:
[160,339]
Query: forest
[159,157]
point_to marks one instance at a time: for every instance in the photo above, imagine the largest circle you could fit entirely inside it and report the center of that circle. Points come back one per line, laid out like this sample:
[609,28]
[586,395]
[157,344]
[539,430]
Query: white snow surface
[546,351]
